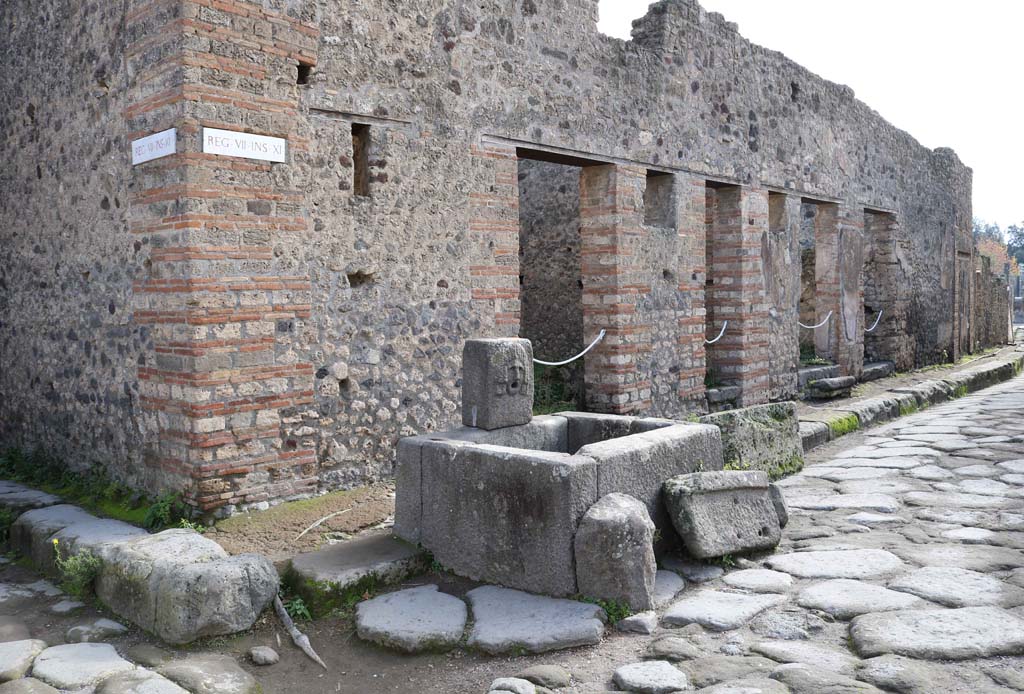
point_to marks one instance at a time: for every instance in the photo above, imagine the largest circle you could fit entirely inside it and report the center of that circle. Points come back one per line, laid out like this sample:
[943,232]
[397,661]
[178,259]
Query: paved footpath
[901,570]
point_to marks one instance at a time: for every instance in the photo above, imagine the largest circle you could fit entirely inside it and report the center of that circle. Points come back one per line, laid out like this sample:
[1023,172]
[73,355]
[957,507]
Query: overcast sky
[949,72]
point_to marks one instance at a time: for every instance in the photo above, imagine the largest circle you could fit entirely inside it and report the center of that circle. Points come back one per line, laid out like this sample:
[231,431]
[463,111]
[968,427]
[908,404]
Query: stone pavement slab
[953,634]
[956,587]
[844,598]
[16,657]
[412,620]
[651,677]
[78,665]
[506,620]
[719,611]
[851,563]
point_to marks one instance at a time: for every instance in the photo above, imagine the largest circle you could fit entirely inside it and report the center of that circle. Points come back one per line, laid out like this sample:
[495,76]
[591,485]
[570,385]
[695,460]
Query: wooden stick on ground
[325,518]
[300,639]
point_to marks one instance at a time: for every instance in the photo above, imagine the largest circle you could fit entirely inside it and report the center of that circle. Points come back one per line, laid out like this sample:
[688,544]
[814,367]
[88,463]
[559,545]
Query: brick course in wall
[246,331]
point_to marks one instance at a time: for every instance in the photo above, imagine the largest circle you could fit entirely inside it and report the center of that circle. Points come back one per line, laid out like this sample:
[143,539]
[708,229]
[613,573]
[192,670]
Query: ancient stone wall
[991,316]
[290,321]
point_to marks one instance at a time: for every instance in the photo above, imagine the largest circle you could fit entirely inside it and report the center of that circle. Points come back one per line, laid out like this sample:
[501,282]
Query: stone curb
[175,584]
[837,421]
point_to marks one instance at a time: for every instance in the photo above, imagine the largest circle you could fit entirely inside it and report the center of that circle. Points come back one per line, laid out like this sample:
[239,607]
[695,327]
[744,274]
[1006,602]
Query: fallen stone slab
[30,534]
[845,598]
[210,674]
[759,580]
[651,677]
[506,620]
[946,634]
[719,611]
[139,682]
[956,587]
[413,620]
[808,653]
[831,388]
[182,586]
[16,657]
[614,550]
[849,563]
[78,665]
[380,557]
[722,512]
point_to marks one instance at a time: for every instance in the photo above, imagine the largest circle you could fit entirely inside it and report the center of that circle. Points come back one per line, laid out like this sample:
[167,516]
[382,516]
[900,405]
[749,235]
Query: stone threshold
[894,397]
[175,584]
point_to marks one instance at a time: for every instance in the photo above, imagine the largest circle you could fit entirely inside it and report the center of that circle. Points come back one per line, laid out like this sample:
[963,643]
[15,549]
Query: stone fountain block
[497,382]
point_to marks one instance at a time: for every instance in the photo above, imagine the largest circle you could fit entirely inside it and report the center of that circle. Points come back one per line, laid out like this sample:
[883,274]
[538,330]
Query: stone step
[876,370]
[831,388]
[378,558]
[814,373]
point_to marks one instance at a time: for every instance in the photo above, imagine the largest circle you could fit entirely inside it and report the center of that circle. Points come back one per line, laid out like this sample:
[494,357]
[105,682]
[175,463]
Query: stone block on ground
[723,512]
[640,623]
[762,437]
[876,370]
[497,382]
[263,655]
[413,620]
[378,557]
[506,516]
[508,620]
[182,586]
[512,685]
[30,534]
[210,674]
[614,550]
[16,657]
[815,373]
[640,463]
[946,634]
[651,677]
[550,676]
[78,665]
[814,434]
[831,388]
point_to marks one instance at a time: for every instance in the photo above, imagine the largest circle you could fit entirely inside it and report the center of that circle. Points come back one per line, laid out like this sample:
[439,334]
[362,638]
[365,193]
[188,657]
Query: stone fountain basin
[502,506]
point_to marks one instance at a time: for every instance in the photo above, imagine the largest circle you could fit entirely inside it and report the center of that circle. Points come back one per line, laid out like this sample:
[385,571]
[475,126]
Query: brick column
[611,232]
[225,382]
[494,231]
[738,224]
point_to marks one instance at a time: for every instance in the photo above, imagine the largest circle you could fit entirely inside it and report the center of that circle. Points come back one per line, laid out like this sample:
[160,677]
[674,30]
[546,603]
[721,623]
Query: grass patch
[960,391]
[77,571]
[908,409]
[615,609]
[91,489]
[791,466]
[841,426]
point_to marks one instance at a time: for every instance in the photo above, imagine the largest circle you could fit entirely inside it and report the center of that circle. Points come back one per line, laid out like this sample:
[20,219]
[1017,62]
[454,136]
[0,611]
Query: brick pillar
[839,240]
[692,227]
[611,233]
[738,224]
[494,231]
[228,385]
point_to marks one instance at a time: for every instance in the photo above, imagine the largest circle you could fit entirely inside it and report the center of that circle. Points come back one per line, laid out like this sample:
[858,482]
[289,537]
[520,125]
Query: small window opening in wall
[360,159]
[305,71]
[359,278]
[659,203]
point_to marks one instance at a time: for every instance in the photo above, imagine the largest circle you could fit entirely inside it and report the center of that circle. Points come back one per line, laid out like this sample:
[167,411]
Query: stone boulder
[181,586]
[724,512]
[614,550]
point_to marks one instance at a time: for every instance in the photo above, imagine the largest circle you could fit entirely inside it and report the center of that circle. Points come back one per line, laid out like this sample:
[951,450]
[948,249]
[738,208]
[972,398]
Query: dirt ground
[275,532]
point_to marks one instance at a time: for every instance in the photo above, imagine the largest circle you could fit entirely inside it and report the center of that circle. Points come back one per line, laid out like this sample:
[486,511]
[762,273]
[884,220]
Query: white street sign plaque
[154,146]
[246,145]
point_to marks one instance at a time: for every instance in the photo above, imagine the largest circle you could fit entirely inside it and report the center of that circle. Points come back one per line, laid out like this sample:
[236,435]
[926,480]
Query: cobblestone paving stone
[905,544]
